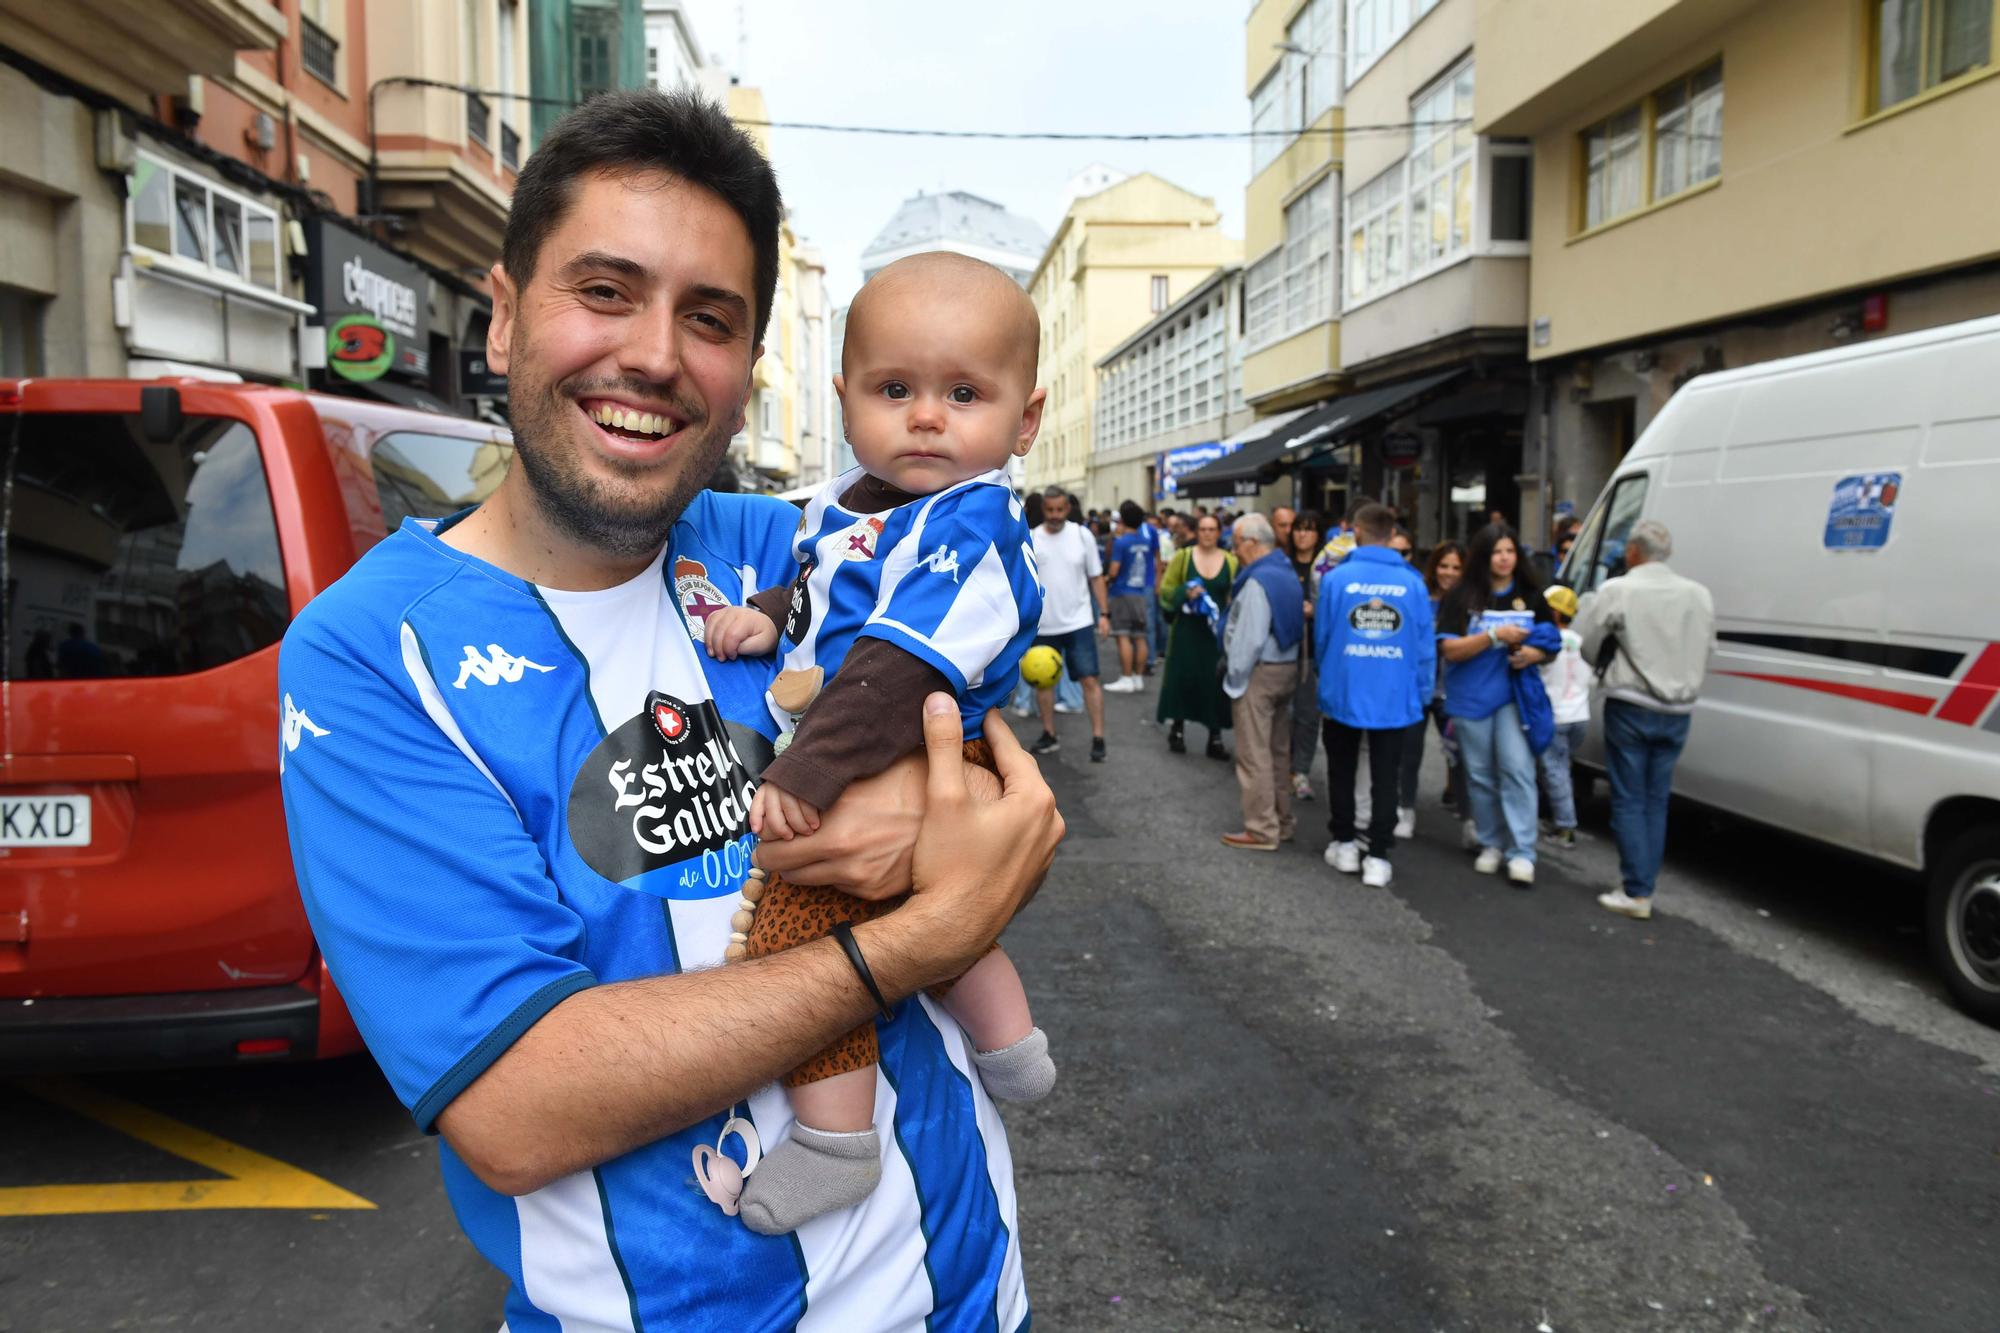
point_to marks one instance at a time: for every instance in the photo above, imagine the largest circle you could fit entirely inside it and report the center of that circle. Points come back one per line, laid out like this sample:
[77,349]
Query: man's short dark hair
[1374,524]
[680,133]
[1130,514]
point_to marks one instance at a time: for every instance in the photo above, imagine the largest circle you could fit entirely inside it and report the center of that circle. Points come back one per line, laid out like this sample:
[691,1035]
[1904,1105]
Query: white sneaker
[1024,710]
[1406,822]
[1115,686]
[1064,708]
[1344,857]
[1488,862]
[1520,870]
[1639,909]
[1375,873]
[1468,835]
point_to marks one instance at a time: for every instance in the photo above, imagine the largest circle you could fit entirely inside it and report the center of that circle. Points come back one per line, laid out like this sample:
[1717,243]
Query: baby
[916,575]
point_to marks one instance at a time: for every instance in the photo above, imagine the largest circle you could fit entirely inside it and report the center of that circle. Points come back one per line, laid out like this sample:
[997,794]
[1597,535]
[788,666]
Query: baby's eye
[964,393]
[895,390]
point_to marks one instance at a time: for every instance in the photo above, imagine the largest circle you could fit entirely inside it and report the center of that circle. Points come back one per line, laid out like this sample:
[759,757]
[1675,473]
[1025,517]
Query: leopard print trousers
[788,914]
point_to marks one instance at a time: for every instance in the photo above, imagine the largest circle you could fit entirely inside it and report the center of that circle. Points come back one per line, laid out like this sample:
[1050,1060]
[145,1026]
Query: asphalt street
[1287,1102]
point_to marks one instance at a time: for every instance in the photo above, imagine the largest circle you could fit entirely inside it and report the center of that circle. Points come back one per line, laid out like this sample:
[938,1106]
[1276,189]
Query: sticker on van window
[1862,509]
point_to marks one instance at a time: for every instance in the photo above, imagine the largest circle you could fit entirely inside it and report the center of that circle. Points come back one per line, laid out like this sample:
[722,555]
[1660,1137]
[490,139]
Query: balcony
[478,119]
[318,51]
[134,52]
[1540,62]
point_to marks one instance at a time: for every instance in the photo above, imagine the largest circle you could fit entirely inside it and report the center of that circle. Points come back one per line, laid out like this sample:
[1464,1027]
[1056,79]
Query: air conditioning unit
[262,133]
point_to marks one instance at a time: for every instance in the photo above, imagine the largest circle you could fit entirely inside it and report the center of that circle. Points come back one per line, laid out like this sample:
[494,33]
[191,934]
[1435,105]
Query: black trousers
[1385,761]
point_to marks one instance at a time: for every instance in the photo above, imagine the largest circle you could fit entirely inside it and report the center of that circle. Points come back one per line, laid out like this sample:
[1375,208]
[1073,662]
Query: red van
[158,539]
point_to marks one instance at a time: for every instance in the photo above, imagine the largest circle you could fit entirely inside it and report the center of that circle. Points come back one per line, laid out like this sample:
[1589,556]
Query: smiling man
[524,879]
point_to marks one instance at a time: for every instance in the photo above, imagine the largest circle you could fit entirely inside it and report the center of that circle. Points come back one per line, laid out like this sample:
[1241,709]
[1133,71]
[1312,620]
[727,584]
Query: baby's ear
[1031,422]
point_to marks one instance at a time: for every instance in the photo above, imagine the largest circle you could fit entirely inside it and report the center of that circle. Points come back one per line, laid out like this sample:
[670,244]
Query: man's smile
[634,430]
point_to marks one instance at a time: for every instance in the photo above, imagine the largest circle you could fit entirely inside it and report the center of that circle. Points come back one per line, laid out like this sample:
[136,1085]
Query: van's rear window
[127,557]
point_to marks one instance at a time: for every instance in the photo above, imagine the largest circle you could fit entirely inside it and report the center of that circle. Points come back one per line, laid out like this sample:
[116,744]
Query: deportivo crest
[669,785]
[699,598]
[858,542]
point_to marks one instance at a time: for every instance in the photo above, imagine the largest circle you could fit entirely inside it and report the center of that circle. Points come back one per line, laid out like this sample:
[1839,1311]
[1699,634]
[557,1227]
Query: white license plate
[44,821]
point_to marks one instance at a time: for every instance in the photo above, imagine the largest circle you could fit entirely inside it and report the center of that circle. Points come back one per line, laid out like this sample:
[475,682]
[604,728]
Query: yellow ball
[1040,666]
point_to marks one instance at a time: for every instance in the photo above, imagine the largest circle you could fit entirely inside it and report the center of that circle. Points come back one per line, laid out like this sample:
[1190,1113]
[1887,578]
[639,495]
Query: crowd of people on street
[1292,630]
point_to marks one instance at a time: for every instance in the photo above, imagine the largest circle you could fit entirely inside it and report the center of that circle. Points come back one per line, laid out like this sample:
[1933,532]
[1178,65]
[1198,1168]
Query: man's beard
[583,507]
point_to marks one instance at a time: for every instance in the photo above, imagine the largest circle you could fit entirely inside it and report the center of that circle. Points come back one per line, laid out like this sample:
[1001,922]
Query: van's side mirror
[160,413]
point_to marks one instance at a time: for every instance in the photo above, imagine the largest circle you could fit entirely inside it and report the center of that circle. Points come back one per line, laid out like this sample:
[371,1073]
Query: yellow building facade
[1120,256]
[1717,184]
[1291,206]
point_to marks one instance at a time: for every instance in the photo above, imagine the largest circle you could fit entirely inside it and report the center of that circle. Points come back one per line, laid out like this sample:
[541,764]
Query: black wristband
[844,932]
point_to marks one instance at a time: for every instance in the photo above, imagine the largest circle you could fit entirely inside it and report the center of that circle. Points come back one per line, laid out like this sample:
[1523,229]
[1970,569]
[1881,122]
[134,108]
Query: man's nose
[652,347]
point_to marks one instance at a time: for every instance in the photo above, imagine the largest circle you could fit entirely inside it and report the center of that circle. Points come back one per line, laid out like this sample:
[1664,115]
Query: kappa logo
[699,598]
[494,666]
[297,726]
[944,560]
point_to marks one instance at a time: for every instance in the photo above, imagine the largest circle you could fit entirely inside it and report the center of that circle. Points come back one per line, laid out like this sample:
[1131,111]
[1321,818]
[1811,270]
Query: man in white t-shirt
[1075,610]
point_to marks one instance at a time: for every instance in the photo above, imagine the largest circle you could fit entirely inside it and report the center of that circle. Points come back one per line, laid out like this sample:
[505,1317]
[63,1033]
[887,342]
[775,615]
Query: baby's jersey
[949,578]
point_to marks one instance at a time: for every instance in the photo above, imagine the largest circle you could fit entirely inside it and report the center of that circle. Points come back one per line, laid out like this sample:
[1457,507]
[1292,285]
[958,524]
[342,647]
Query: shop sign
[1177,463]
[374,304]
[475,378]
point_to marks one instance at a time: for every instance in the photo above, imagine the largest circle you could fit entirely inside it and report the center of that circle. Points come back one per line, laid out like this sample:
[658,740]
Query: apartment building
[1121,256]
[1170,395]
[1717,184]
[1434,292]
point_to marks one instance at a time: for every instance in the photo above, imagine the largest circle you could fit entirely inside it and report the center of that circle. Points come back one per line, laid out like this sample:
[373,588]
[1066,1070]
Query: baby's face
[936,392]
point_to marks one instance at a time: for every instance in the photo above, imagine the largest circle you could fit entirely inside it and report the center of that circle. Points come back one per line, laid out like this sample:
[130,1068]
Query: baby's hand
[739,631]
[776,813]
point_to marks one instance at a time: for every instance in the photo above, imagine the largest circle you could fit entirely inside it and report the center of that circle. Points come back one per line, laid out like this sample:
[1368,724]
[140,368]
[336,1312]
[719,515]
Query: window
[432,476]
[1159,292]
[1299,88]
[20,333]
[1671,141]
[1375,237]
[1918,44]
[1267,138]
[202,225]
[318,51]
[1373,26]
[1599,553]
[146,559]
[1292,288]
[1442,153]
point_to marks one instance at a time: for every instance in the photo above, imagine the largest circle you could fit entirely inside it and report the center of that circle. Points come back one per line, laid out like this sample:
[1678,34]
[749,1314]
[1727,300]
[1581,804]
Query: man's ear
[1031,422]
[500,329]
[749,383]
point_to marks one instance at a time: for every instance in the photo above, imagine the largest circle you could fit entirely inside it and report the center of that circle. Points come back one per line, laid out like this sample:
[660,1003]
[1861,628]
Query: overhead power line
[1164,136]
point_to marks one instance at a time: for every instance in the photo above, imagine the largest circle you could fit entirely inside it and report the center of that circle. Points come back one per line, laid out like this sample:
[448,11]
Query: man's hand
[739,631]
[864,841]
[778,815]
[1522,658]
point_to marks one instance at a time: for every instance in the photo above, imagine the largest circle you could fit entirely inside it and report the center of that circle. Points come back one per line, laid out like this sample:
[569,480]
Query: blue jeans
[1499,780]
[1641,746]
[1156,629]
[1556,774]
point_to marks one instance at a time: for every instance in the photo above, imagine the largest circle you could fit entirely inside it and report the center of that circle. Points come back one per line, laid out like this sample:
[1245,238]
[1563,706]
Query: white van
[1844,510]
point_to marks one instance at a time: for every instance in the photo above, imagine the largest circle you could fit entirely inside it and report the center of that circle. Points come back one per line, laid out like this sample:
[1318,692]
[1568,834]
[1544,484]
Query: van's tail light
[264,1046]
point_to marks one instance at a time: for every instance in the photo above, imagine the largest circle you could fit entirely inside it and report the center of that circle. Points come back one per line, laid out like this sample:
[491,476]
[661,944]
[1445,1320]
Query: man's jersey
[949,578]
[500,795]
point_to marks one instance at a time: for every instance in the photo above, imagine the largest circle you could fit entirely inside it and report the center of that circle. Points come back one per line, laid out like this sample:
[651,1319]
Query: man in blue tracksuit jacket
[1373,639]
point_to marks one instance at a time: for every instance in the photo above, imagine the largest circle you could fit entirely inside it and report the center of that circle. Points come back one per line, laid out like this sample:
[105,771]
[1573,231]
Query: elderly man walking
[1649,631]
[1260,646]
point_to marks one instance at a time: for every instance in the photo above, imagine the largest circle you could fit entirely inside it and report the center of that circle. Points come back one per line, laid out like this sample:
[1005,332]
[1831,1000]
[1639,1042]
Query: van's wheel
[1964,921]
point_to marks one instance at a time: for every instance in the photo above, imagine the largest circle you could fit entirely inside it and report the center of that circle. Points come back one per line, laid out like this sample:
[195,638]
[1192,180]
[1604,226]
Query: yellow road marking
[253,1180]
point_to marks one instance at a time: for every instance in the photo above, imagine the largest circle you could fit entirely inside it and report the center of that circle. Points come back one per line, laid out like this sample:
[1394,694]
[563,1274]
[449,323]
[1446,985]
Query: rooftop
[932,219]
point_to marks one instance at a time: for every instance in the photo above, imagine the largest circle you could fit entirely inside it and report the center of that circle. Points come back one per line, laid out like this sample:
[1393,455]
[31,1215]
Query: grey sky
[1118,65]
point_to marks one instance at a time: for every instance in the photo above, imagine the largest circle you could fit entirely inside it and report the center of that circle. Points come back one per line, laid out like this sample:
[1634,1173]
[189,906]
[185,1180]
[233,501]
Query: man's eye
[600,292]
[895,390]
[964,393]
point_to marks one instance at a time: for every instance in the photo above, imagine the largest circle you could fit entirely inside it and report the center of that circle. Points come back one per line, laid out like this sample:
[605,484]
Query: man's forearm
[621,1065]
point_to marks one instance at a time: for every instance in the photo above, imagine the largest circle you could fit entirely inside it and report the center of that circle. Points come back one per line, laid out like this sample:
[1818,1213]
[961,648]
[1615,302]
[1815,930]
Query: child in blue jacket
[1374,640]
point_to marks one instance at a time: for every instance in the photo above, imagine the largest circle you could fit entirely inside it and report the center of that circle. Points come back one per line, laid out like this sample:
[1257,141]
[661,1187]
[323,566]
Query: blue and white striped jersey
[949,578]
[500,795]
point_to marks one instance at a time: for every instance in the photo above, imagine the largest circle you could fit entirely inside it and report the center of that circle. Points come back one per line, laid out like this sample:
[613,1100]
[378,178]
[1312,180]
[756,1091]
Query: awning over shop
[1308,436]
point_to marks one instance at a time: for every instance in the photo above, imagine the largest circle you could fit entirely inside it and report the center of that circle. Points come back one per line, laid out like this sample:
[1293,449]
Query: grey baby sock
[812,1172]
[1022,1072]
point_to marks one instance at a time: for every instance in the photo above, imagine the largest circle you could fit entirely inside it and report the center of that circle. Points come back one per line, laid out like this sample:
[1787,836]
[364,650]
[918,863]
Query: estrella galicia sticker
[670,786]
[1375,618]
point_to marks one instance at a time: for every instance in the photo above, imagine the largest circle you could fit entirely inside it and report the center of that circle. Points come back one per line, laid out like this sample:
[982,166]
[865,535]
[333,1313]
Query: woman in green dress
[1191,686]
